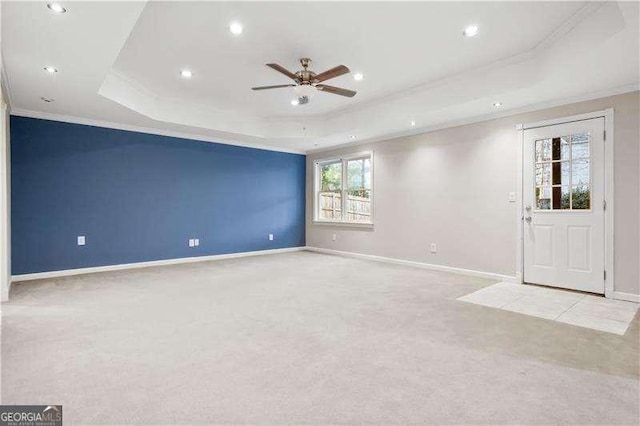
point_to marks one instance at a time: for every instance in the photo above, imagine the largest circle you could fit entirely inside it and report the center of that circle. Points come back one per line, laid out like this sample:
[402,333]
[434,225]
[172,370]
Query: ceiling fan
[307,82]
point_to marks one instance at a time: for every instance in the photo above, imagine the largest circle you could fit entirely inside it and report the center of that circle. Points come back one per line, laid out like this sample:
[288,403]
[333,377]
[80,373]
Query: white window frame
[316,189]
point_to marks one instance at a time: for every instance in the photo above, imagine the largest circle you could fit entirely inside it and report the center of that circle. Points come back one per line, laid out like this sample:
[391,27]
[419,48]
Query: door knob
[528,219]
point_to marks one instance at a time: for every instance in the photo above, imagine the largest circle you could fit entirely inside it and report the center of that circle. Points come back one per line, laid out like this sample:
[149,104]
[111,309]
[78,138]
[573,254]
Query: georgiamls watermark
[30,415]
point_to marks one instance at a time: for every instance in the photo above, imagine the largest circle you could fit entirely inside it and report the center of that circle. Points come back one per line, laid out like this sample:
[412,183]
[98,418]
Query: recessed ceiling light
[295,102]
[186,73]
[47,100]
[56,7]
[413,123]
[497,104]
[470,31]
[358,76]
[235,28]
[51,70]
[352,137]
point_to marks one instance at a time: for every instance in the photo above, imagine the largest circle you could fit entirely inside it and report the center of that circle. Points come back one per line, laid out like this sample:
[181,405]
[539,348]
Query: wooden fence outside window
[358,208]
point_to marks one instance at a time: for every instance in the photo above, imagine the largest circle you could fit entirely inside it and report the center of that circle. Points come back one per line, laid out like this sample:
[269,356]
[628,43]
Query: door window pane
[581,197]
[565,201]
[543,198]
[543,174]
[580,150]
[580,146]
[562,172]
[543,150]
[580,172]
[561,198]
[580,138]
[560,148]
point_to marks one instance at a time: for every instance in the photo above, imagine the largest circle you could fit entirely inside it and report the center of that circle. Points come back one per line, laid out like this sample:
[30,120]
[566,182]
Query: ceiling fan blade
[284,71]
[273,87]
[336,90]
[333,72]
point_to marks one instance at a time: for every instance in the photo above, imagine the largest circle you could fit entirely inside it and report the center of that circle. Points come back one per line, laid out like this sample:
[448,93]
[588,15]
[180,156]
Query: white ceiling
[120,61]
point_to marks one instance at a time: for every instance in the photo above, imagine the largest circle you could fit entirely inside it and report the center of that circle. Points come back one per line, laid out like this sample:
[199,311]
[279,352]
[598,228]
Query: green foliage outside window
[581,198]
[332,177]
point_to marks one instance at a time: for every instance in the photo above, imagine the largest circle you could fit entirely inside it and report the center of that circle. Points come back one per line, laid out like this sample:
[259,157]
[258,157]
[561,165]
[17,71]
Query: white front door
[563,196]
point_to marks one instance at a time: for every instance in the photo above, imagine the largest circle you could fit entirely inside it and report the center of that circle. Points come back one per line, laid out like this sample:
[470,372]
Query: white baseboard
[469,272]
[629,297]
[80,271]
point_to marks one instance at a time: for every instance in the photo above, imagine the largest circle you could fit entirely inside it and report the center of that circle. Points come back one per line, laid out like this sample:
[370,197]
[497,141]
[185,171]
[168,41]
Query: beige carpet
[304,338]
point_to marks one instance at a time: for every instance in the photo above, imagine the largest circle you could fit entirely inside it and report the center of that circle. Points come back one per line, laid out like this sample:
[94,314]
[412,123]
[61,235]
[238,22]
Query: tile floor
[583,310]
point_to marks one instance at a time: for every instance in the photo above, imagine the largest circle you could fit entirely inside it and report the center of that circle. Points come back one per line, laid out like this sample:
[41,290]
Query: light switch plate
[81,240]
[434,248]
[270,237]
[192,242]
[196,242]
[512,197]
[334,237]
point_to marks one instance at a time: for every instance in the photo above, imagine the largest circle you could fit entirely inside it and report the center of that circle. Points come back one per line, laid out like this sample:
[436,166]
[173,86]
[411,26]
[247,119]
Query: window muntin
[344,190]
[563,173]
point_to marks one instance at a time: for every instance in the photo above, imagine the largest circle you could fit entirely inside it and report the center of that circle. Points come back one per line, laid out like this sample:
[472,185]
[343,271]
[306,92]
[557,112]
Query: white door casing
[563,196]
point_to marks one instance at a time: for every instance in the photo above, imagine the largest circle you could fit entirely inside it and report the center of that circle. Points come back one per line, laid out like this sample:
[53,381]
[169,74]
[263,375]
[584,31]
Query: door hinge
[604,204]
[604,135]
[605,275]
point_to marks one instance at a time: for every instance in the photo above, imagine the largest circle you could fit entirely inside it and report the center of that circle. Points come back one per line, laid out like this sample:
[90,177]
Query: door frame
[607,114]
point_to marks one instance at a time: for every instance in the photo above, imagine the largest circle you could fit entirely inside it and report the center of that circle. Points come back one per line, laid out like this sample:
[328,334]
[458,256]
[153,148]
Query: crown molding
[634,87]
[4,81]
[516,58]
[148,130]
[568,25]
[620,90]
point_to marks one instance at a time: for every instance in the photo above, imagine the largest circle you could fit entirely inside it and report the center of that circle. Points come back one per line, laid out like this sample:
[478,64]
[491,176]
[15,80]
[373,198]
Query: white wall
[5,218]
[5,188]
[451,187]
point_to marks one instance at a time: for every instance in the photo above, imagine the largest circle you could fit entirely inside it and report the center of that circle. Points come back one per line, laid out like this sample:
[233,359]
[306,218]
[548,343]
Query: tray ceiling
[120,62]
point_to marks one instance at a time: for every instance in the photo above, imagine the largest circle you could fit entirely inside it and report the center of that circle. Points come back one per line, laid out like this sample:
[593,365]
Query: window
[563,180]
[343,191]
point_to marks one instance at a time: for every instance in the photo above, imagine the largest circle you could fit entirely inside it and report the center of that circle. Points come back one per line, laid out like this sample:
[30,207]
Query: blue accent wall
[139,197]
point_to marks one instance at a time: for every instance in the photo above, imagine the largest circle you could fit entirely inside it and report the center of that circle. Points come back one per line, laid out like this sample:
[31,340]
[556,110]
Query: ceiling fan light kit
[307,83]
[305,90]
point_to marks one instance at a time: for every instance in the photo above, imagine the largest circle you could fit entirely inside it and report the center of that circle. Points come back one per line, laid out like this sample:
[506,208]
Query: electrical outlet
[192,242]
[434,248]
[196,242]
[270,237]
[81,240]
[512,197]
[333,237]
